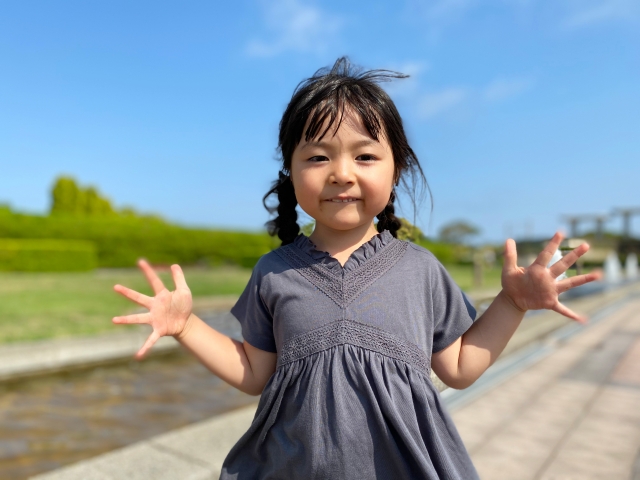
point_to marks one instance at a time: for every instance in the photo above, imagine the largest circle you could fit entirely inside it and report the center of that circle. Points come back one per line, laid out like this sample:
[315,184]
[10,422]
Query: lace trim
[356,281]
[343,332]
[322,278]
[343,290]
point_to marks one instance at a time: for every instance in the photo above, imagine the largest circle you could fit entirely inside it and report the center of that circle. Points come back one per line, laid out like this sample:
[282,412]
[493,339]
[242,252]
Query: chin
[343,226]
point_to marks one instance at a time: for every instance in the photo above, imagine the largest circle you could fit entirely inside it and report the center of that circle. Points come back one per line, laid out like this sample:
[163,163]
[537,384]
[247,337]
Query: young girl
[342,328]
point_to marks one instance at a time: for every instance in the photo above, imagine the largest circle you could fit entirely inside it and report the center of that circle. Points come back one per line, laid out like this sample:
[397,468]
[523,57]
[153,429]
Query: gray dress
[351,397]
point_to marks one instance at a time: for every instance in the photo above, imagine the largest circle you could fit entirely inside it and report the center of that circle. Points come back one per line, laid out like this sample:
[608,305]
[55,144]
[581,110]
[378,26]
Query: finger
[178,277]
[545,255]
[569,259]
[573,282]
[567,312]
[510,255]
[136,318]
[137,297]
[153,338]
[152,277]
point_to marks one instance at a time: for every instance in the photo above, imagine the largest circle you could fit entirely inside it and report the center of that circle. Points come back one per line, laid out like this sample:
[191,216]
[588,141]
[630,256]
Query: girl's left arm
[532,288]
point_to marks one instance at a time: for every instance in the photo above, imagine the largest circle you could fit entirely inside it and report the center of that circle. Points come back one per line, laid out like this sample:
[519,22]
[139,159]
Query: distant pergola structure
[626,214]
[574,221]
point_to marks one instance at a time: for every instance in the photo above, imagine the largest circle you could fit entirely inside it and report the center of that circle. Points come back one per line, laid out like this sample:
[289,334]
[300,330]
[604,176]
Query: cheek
[382,200]
[306,189]
[380,188]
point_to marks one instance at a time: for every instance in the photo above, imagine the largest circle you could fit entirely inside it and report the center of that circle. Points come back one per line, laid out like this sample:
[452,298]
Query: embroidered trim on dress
[344,290]
[356,281]
[355,333]
[322,278]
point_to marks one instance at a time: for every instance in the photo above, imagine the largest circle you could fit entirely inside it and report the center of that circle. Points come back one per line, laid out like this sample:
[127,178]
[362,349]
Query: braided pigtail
[387,219]
[285,225]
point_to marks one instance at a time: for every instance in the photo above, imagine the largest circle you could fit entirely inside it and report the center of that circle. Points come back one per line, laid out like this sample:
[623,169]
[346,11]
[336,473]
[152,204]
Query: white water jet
[557,256]
[612,269]
[631,266]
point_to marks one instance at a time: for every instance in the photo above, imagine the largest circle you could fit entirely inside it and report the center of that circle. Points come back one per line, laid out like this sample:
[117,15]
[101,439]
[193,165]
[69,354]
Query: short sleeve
[453,311]
[255,319]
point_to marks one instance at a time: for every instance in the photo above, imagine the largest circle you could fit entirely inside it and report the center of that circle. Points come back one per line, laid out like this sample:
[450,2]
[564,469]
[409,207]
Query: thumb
[510,255]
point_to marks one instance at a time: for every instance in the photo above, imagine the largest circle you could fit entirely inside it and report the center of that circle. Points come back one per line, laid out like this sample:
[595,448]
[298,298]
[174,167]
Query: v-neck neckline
[344,284]
[358,257]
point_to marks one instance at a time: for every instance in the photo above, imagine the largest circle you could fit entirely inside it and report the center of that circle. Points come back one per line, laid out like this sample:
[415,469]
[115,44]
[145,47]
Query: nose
[342,171]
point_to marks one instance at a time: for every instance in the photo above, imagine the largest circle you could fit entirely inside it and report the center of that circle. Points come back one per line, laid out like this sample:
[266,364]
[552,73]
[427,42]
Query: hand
[535,287]
[168,311]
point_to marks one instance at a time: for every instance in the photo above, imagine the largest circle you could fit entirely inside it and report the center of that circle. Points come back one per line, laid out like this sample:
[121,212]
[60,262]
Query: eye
[366,157]
[317,158]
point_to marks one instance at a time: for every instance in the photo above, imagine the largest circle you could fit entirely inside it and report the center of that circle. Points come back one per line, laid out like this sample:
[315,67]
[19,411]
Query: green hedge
[47,255]
[121,240]
[444,252]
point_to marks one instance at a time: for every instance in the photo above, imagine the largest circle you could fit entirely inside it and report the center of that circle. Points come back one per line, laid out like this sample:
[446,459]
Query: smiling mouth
[342,200]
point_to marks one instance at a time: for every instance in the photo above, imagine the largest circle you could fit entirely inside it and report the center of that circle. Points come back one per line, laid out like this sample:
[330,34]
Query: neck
[337,242]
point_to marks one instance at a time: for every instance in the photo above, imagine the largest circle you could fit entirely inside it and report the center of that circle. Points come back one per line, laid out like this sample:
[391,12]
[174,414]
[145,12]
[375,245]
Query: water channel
[50,421]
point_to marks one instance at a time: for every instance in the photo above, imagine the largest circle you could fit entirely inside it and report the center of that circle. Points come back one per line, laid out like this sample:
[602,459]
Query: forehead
[348,126]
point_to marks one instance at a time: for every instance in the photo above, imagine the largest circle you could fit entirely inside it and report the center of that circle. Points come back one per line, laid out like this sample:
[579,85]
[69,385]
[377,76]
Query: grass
[463,276]
[37,306]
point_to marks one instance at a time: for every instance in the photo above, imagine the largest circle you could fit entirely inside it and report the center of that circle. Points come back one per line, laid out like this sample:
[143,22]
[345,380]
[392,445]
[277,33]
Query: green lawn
[47,305]
[463,275]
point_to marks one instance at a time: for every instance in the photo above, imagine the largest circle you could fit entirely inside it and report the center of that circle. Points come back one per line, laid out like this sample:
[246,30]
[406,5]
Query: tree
[95,204]
[458,232]
[409,232]
[67,197]
[307,228]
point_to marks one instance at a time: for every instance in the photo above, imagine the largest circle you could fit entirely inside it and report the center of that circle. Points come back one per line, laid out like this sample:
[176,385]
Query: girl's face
[344,180]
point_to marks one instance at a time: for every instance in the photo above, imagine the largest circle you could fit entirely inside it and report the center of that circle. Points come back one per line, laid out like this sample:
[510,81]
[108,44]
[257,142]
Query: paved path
[574,414]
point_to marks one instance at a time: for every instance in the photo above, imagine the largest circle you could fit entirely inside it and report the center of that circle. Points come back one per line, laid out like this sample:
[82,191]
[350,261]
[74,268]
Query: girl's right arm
[238,363]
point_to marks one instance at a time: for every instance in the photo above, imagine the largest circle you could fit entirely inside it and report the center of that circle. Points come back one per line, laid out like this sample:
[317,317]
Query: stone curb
[194,452]
[47,356]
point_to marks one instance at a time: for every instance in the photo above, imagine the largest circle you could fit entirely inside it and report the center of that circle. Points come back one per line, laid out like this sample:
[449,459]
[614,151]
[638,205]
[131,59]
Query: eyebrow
[359,144]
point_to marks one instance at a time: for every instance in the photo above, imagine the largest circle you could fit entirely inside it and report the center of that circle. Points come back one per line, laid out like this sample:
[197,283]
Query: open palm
[535,287]
[168,311]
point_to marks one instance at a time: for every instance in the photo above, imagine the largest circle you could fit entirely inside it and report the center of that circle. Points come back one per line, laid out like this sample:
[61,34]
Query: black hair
[320,102]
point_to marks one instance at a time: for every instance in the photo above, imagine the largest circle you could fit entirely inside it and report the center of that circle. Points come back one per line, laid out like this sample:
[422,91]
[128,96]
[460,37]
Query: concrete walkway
[573,412]
[573,415]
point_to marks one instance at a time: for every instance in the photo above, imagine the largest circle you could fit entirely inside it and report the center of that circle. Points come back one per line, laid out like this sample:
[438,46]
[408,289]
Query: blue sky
[519,110]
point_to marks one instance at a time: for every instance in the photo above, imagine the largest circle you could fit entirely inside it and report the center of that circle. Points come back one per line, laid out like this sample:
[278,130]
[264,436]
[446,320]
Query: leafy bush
[47,255]
[446,253]
[121,240]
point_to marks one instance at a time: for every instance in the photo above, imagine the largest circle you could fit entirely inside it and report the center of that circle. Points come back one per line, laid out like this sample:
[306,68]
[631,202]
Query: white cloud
[412,68]
[407,86]
[436,15]
[447,9]
[587,13]
[437,103]
[501,89]
[292,25]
